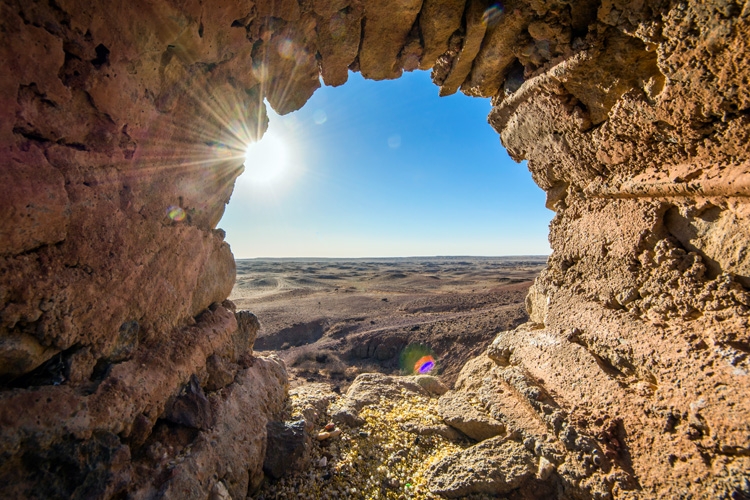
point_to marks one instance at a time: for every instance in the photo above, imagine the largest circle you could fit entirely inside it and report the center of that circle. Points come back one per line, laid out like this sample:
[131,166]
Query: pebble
[323,435]
[546,468]
[322,462]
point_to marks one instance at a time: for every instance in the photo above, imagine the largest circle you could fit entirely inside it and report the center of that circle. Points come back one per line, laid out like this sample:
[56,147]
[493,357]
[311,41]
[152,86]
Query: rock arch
[632,116]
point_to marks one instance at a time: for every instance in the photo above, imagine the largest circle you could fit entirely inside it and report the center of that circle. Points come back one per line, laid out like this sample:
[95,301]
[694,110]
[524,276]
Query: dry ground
[333,319]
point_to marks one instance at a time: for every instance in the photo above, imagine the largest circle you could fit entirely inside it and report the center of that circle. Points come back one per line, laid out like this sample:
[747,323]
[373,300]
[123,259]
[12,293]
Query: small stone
[219,492]
[290,446]
[546,468]
[330,426]
[323,435]
[322,462]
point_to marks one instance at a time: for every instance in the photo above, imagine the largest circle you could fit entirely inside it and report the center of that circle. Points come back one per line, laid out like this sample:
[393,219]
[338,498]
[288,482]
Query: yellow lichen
[379,460]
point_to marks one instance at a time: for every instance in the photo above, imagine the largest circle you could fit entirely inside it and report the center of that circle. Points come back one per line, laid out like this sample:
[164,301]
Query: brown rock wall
[439,19]
[386,26]
[643,307]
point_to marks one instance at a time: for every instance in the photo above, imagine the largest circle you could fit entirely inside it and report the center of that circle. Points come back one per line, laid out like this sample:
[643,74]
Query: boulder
[190,407]
[312,402]
[288,448]
[431,384]
[492,467]
[461,411]
[247,331]
[220,372]
[368,389]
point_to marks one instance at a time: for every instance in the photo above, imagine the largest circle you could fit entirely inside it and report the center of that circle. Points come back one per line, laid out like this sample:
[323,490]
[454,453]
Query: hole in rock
[384,169]
[102,56]
[338,198]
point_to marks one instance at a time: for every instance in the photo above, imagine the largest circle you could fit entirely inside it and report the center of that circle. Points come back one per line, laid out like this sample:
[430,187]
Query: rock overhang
[632,116]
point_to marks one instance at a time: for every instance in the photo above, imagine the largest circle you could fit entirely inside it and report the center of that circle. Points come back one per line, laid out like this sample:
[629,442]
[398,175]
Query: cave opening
[384,169]
[126,372]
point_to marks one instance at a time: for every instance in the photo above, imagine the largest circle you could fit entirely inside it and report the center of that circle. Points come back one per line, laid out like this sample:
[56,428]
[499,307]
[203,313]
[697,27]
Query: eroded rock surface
[493,467]
[120,128]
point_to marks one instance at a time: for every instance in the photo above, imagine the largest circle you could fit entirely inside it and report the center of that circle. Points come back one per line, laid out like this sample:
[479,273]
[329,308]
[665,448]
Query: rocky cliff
[123,368]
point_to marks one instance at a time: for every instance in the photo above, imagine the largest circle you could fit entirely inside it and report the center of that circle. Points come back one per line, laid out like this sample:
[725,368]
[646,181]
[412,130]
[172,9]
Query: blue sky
[385,169]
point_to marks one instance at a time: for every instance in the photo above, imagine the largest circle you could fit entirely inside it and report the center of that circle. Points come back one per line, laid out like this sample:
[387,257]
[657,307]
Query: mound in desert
[125,372]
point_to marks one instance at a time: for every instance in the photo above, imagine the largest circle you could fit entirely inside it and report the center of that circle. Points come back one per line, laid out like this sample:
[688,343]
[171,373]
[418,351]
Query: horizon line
[398,257]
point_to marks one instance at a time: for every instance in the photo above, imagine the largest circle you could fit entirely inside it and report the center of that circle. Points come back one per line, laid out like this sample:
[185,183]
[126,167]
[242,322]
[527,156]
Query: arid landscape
[333,319]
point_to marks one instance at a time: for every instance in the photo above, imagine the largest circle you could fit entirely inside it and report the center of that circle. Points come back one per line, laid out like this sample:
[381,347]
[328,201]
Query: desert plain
[332,319]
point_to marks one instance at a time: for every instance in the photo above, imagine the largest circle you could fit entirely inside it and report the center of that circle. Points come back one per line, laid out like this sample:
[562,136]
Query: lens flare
[320,117]
[492,14]
[417,359]
[286,49]
[176,213]
[424,364]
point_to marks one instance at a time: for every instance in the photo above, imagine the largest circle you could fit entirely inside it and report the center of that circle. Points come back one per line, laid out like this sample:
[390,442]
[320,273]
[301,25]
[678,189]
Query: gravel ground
[378,460]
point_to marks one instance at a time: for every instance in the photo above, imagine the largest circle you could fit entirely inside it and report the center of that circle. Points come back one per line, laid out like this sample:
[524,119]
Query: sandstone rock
[495,57]
[431,384]
[385,32]
[288,448]
[716,235]
[215,280]
[219,492]
[234,449]
[631,115]
[545,470]
[221,373]
[105,408]
[536,305]
[346,415]
[500,351]
[313,400]
[458,411]
[439,19]
[493,467]
[21,355]
[624,52]
[368,389]
[339,33]
[190,407]
[247,331]
[288,68]
[443,430]
[287,10]
[475,30]
[37,211]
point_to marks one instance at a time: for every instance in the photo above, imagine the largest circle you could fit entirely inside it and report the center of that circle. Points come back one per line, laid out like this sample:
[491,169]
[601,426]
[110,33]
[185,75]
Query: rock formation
[122,368]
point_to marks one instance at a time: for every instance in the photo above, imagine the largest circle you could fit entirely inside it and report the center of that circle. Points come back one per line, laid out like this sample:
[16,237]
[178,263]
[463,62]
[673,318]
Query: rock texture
[121,131]
[459,411]
[288,448]
[493,467]
[368,389]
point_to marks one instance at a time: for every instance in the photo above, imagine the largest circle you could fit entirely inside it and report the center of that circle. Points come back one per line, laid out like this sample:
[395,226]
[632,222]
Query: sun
[267,161]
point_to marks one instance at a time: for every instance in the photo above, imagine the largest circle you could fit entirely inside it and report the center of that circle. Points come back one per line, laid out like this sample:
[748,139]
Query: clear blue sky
[385,169]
